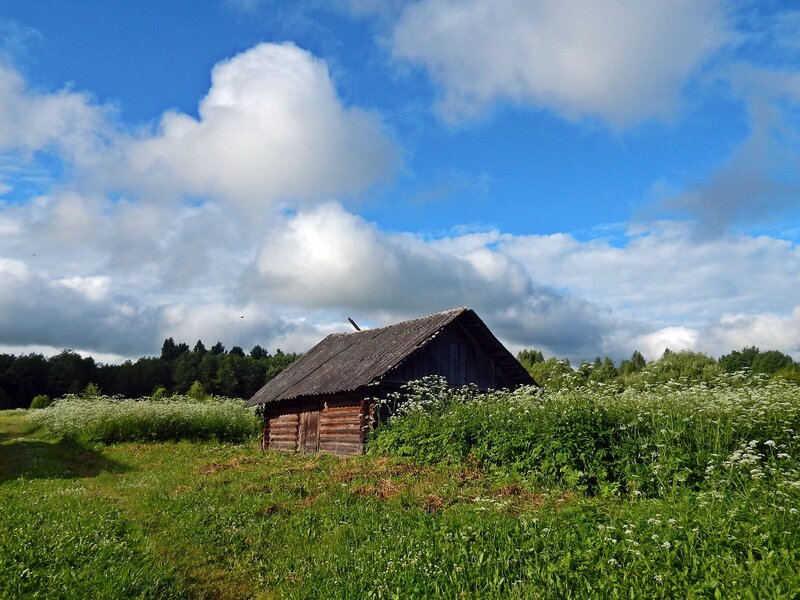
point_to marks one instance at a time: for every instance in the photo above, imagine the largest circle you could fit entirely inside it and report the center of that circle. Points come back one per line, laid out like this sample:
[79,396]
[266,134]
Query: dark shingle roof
[347,361]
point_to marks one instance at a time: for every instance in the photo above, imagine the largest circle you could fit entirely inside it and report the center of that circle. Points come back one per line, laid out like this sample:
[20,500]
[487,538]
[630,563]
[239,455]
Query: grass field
[204,519]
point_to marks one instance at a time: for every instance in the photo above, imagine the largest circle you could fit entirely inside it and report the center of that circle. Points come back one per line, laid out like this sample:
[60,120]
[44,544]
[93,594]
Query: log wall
[334,424]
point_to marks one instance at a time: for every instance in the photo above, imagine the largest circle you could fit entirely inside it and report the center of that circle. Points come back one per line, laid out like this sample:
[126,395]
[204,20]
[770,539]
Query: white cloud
[327,258]
[665,275]
[271,130]
[82,270]
[271,133]
[79,269]
[36,310]
[621,60]
[66,121]
[652,345]
[766,330]
[124,288]
[95,288]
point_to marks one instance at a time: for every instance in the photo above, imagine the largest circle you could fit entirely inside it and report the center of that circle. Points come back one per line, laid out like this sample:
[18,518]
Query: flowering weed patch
[600,439]
[112,420]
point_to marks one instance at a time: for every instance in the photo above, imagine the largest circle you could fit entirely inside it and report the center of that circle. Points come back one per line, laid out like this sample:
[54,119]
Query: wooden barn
[322,402]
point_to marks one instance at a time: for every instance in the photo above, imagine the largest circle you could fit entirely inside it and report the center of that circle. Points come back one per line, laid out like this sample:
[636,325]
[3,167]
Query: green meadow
[669,492]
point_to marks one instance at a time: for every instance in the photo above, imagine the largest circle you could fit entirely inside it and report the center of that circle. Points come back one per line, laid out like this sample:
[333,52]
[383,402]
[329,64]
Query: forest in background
[231,373]
[236,374]
[682,366]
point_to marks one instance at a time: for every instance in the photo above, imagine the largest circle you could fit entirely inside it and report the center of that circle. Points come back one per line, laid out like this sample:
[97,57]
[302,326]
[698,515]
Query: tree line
[232,373]
[237,374]
[685,365]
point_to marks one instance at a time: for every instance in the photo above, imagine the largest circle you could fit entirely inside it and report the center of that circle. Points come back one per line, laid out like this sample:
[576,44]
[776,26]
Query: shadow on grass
[65,459]
[5,436]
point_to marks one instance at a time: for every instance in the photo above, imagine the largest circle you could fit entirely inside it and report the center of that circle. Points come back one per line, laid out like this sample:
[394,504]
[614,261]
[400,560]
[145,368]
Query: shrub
[555,374]
[791,373]
[41,401]
[92,390]
[197,391]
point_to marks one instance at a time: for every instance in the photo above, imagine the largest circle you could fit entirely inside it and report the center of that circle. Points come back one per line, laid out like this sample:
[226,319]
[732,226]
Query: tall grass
[599,439]
[111,420]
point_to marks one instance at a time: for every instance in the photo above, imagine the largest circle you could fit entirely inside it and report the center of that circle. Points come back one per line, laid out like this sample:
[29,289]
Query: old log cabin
[322,402]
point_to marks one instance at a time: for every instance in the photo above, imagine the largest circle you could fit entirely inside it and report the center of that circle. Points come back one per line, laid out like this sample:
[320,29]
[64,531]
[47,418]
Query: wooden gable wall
[455,355]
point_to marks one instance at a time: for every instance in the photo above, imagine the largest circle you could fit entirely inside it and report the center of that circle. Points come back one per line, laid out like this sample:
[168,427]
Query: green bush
[41,401]
[197,391]
[92,390]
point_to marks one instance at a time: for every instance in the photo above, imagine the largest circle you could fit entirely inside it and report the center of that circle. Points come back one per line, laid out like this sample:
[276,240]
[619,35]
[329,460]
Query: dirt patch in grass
[519,496]
[385,488]
[311,465]
[231,464]
[274,508]
[257,489]
[381,467]
[433,503]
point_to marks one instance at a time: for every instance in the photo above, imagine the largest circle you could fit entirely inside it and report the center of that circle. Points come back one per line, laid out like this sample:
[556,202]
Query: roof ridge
[459,310]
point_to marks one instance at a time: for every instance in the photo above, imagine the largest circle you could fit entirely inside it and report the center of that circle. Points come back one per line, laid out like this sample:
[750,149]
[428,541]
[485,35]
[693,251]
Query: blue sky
[591,177]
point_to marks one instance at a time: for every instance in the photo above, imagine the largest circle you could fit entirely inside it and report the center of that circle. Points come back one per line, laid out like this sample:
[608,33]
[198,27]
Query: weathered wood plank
[343,429]
[341,439]
[283,443]
[287,420]
[353,420]
[283,427]
[344,410]
[342,448]
[341,414]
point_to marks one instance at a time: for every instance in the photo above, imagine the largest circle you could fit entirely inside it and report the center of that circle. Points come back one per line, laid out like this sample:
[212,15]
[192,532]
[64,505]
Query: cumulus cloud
[271,130]
[665,273]
[116,274]
[84,266]
[315,267]
[125,286]
[763,329]
[67,122]
[653,344]
[621,61]
[660,288]
[35,310]
[328,258]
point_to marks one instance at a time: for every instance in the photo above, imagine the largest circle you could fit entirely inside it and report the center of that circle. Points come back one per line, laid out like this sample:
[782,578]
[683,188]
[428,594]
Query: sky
[591,177]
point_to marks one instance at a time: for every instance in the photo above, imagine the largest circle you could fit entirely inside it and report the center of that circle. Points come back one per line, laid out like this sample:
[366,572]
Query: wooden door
[309,430]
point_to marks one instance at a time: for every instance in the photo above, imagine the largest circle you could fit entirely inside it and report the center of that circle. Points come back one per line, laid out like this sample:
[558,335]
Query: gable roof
[347,361]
